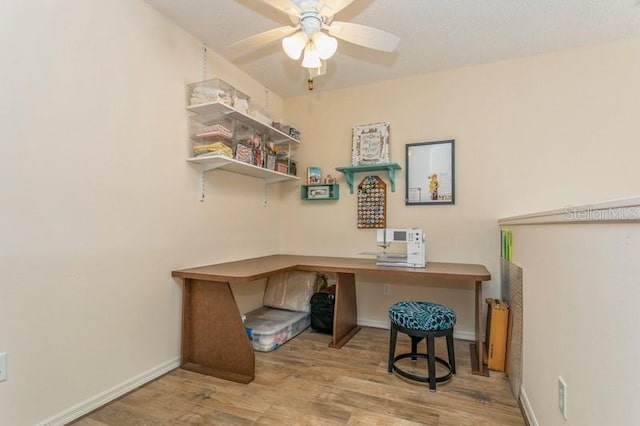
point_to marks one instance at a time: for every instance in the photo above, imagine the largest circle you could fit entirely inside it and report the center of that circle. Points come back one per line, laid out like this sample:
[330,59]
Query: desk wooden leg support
[478,367]
[214,340]
[345,314]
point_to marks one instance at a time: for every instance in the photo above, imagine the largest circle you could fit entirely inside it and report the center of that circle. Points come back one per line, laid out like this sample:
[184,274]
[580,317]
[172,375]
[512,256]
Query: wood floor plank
[305,382]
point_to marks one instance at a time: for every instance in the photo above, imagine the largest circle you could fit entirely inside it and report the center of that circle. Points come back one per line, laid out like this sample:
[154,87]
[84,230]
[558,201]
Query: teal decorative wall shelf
[320,191]
[349,171]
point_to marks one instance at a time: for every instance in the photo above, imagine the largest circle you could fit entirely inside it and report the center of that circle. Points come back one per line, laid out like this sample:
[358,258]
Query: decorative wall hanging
[430,173]
[372,203]
[370,144]
[319,191]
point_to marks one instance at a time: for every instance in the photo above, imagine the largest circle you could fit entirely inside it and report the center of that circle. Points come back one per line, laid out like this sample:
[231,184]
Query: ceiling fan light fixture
[317,72]
[311,58]
[325,45]
[293,45]
[314,34]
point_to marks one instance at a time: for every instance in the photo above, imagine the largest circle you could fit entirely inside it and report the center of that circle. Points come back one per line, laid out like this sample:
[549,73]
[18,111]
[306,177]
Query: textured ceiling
[435,35]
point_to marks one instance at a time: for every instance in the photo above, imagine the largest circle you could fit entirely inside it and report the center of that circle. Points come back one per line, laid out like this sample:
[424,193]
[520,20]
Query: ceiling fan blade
[329,8]
[364,36]
[286,6]
[263,38]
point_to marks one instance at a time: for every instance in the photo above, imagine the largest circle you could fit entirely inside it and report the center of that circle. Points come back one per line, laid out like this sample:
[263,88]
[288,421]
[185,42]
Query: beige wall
[531,134]
[97,210]
[98,204]
[580,293]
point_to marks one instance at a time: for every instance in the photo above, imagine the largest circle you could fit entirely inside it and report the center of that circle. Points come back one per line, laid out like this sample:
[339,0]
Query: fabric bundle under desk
[286,310]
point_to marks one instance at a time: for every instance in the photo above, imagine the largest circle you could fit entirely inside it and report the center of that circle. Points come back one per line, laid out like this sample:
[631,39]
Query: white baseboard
[109,395]
[117,391]
[462,335]
[375,324]
[528,411]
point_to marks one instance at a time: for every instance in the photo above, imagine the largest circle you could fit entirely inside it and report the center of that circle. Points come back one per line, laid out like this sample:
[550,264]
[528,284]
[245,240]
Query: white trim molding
[109,395]
[526,406]
[616,211]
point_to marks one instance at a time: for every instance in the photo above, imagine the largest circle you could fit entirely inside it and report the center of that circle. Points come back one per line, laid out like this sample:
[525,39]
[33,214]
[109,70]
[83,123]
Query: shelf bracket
[389,167]
[202,186]
[392,178]
[264,196]
[348,176]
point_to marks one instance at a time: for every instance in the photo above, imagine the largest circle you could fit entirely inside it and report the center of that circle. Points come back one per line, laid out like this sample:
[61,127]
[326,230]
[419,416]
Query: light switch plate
[562,397]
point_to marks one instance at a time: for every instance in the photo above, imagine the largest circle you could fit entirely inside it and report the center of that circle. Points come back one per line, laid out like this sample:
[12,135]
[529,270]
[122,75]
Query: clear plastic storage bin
[216,90]
[214,147]
[249,145]
[212,135]
[269,328]
[260,114]
[203,128]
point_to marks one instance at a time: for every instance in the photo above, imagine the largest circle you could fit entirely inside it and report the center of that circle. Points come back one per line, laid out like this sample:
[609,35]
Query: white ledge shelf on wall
[221,162]
[218,107]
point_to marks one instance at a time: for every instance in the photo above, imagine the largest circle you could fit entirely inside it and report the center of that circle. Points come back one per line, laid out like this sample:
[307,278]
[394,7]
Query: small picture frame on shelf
[321,191]
[314,175]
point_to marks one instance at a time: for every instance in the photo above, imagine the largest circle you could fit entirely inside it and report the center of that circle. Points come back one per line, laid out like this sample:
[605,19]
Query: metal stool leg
[393,335]
[431,361]
[414,346]
[450,351]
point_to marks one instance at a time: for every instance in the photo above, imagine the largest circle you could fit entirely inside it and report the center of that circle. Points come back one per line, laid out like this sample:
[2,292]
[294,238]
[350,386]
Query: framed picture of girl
[430,173]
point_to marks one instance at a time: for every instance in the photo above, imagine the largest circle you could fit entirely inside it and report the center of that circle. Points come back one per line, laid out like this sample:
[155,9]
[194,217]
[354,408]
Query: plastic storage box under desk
[268,328]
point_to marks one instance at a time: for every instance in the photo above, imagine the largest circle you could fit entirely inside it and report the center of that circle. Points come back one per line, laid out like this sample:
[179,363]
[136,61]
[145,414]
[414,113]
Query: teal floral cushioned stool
[422,320]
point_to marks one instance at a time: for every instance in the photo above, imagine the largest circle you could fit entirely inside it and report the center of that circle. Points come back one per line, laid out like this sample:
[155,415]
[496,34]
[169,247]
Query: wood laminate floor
[306,383]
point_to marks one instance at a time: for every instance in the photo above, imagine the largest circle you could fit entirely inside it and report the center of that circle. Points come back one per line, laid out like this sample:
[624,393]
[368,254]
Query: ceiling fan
[314,32]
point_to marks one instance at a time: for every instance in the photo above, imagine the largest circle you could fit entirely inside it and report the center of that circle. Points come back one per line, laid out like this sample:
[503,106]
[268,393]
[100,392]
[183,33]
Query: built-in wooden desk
[214,340]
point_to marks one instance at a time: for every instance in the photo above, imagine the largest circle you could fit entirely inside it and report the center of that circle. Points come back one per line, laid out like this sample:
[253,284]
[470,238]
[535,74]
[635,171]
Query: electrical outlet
[386,289]
[3,366]
[562,396]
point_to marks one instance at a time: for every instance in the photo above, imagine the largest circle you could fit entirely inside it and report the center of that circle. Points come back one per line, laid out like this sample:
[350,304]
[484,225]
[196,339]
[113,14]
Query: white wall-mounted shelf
[218,107]
[205,111]
[221,162]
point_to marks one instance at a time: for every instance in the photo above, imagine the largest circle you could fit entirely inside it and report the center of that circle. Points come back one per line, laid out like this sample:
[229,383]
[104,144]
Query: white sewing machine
[415,247]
